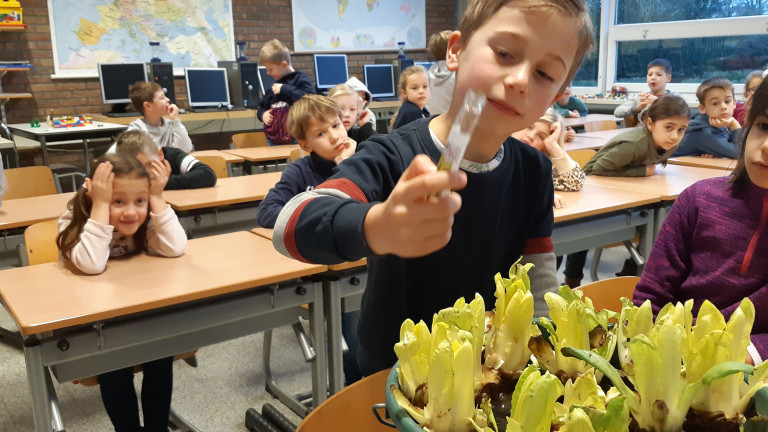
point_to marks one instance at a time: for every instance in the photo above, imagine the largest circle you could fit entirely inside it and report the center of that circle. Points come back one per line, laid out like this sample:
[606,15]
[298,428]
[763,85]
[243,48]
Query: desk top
[45,130]
[384,104]
[23,212]
[698,161]
[50,296]
[267,234]
[232,190]
[604,135]
[189,116]
[5,141]
[264,154]
[668,182]
[583,143]
[594,199]
[229,158]
[579,121]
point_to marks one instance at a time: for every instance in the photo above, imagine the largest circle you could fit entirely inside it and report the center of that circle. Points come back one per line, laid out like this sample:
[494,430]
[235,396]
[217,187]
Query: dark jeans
[574,264]
[119,396]
[349,330]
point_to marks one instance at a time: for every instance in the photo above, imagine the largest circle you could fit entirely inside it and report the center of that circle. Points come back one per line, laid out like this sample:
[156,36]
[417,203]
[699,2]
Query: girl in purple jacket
[714,245]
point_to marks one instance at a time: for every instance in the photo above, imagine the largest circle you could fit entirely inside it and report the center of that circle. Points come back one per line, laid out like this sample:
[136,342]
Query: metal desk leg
[317,332]
[658,219]
[38,387]
[333,321]
[647,234]
[44,150]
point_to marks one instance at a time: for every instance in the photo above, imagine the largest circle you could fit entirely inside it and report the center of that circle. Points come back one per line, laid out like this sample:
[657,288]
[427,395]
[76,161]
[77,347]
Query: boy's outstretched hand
[411,222]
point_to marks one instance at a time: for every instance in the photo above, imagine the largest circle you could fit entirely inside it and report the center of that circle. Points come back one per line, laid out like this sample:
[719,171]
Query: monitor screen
[115,78]
[380,80]
[426,65]
[265,81]
[330,69]
[207,86]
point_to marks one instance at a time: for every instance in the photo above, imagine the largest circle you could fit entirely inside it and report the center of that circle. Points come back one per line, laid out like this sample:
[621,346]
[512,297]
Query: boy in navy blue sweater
[424,252]
[290,85]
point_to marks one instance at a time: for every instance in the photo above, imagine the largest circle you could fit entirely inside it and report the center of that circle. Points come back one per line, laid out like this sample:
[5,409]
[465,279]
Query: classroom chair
[598,125]
[249,139]
[217,163]
[350,408]
[298,154]
[40,241]
[630,121]
[28,182]
[581,157]
[607,293]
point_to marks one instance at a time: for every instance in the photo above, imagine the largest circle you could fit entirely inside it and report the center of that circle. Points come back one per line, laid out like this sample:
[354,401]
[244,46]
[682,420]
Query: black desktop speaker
[162,73]
[242,79]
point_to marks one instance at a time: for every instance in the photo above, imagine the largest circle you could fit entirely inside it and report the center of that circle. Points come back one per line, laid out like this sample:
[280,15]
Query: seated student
[366,97]
[358,127]
[316,121]
[426,250]
[414,91]
[636,152]
[120,211]
[569,106]
[186,171]
[659,74]
[750,85]
[290,85]
[547,136]
[149,99]
[713,245]
[713,130]
[441,80]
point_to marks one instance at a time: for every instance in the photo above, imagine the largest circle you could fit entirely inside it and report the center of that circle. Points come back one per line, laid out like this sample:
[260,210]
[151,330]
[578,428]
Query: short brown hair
[274,52]
[142,92]
[306,109]
[134,142]
[438,44]
[713,83]
[480,11]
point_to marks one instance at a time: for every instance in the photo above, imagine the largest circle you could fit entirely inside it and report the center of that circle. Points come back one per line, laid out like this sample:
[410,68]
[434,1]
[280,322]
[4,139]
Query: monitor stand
[119,110]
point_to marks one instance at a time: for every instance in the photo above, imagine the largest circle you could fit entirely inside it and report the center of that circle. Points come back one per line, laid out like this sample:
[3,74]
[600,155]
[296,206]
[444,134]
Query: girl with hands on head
[120,211]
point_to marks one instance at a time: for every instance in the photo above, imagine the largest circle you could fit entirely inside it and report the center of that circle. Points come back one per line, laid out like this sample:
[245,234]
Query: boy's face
[159,104]
[718,104]
[566,97]
[519,59]
[146,159]
[276,70]
[364,96]
[417,89]
[657,79]
[348,105]
[326,137]
[756,152]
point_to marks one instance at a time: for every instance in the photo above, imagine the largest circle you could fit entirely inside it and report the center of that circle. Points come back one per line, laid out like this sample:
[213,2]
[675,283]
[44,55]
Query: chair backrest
[249,139]
[581,157]
[350,409]
[607,293]
[40,242]
[630,121]
[28,182]
[217,163]
[297,154]
[598,125]
[6,133]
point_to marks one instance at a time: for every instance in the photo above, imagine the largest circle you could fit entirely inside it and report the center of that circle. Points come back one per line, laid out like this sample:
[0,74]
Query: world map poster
[191,33]
[358,25]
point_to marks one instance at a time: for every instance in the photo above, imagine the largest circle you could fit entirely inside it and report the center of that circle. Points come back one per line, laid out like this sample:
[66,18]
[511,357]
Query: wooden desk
[45,134]
[264,154]
[726,165]
[228,157]
[584,143]
[224,287]
[605,135]
[580,121]
[210,122]
[232,202]
[23,212]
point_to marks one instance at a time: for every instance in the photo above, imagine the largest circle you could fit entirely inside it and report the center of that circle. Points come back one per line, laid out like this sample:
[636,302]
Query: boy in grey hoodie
[441,80]
[365,94]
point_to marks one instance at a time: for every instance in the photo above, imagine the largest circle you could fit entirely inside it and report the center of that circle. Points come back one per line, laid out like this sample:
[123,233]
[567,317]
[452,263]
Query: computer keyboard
[205,110]
[386,99]
[122,114]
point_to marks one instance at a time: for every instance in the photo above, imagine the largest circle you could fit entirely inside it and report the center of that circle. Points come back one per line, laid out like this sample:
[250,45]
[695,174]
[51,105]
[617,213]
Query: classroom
[251,328]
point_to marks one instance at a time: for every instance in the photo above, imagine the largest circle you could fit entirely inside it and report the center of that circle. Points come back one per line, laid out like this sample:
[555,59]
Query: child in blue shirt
[414,89]
[714,129]
[568,106]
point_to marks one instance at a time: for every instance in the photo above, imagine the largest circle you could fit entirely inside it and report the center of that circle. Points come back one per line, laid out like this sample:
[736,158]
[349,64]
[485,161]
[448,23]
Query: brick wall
[256,21]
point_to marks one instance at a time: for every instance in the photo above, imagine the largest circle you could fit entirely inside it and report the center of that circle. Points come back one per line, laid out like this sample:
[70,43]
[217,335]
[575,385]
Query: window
[649,11]
[587,75]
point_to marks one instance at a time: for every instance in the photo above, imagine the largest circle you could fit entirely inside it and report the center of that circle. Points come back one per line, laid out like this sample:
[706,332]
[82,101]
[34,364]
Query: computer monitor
[380,80]
[265,81]
[114,79]
[330,69]
[426,65]
[207,87]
